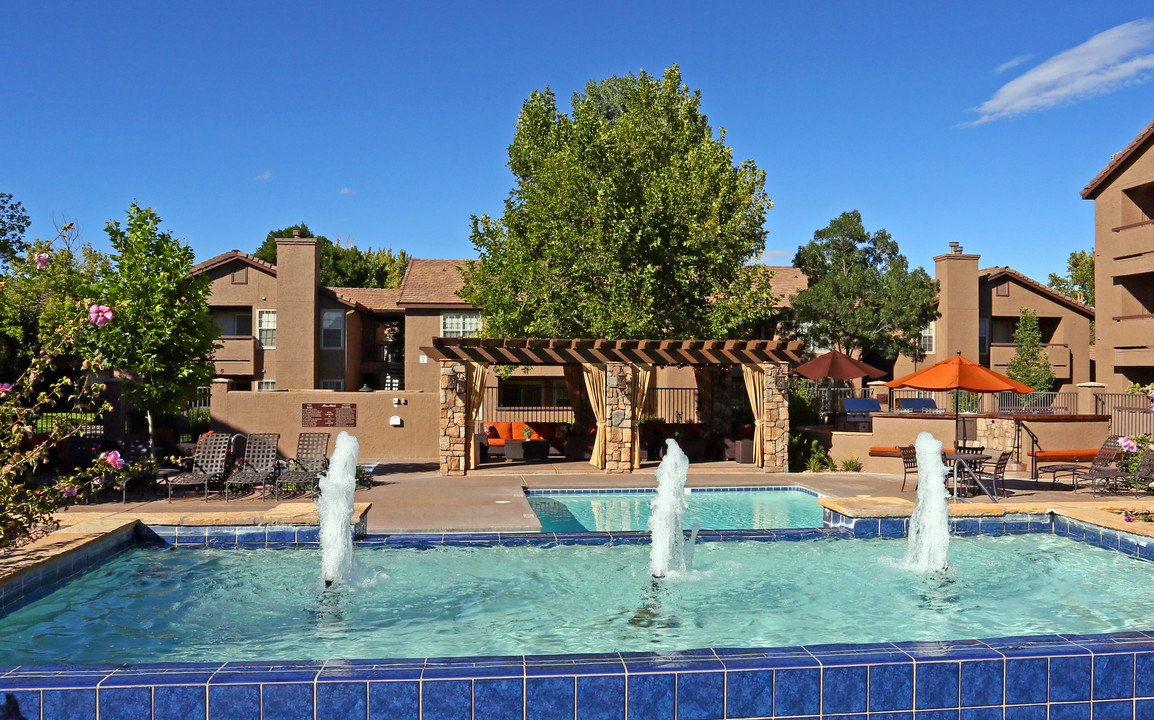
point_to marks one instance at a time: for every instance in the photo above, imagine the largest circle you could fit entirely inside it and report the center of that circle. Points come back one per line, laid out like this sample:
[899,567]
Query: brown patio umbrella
[837,365]
[958,373]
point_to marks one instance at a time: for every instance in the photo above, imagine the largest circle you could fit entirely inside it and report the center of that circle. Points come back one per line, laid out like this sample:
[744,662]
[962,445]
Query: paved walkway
[411,496]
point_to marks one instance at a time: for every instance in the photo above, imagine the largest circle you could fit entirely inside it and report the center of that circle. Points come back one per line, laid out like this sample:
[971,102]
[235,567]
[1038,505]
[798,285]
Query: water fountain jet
[928,546]
[335,509]
[667,542]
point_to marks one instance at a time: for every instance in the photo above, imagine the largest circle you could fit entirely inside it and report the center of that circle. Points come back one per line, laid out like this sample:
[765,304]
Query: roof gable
[230,256]
[1117,163]
[432,283]
[993,273]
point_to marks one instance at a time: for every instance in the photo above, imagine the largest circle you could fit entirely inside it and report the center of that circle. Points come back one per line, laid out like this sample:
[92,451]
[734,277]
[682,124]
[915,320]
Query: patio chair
[909,463]
[1105,457]
[209,463]
[135,453]
[311,460]
[997,476]
[259,465]
[1116,479]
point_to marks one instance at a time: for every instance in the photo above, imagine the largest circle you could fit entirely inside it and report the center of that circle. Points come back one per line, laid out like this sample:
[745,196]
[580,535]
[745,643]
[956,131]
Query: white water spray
[667,543]
[335,508]
[928,549]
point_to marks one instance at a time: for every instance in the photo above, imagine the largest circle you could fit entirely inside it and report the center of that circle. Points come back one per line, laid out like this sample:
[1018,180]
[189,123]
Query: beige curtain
[595,386]
[755,387]
[642,382]
[478,374]
[573,384]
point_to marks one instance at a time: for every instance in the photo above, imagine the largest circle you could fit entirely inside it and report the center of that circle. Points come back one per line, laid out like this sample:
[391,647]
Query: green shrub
[851,464]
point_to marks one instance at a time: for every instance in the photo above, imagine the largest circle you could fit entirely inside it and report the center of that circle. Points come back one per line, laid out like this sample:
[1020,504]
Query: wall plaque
[328,415]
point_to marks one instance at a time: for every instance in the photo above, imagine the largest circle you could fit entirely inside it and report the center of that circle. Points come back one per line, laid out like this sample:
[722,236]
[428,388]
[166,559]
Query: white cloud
[264,175]
[346,191]
[1011,64]
[1100,65]
[773,254]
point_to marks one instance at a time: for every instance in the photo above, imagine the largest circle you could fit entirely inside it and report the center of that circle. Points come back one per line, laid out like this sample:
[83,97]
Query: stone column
[776,412]
[454,434]
[619,416]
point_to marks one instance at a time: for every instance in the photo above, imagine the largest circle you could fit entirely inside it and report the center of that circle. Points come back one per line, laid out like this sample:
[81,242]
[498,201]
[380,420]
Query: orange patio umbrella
[958,373]
[837,365]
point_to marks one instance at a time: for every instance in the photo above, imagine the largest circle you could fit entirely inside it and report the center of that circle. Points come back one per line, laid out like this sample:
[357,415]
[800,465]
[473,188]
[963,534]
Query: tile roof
[229,256]
[787,282]
[1116,162]
[375,299]
[993,273]
[432,282]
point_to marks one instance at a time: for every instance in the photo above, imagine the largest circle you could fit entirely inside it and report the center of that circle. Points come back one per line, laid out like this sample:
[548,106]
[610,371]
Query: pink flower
[42,260]
[1128,444]
[112,457]
[1126,516]
[99,315]
[5,387]
[68,491]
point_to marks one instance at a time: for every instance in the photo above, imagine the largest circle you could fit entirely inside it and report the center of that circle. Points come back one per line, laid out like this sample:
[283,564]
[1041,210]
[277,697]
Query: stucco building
[1123,195]
[979,312]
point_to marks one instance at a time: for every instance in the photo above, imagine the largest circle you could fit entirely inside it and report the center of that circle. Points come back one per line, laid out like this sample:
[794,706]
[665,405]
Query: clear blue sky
[976,122]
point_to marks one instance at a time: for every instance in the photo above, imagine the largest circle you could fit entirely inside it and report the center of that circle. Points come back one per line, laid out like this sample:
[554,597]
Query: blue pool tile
[233,702]
[797,692]
[498,699]
[844,689]
[694,660]
[982,713]
[1026,680]
[865,528]
[652,696]
[1025,712]
[280,534]
[856,716]
[251,535]
[1069,679]
[700,696]
[749,693]
[1113,677]
[394,700]
[1070,711]
[600,698]
[964,527]
[549,698]
[179,702]
[1113,710]
[1144,710]
[133,677]
[190,534]
[68,705]
[125,703]
[343,700]
[287,701]
[944,714]
[893,527]
[17,704]
[937,685]
[891,687]
[446,700]
[1144,674]
[981,682]
[220,537]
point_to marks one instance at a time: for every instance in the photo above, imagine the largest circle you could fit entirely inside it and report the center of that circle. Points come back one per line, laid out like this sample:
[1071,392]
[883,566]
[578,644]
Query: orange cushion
[1066,455]
[504,430]
[519,431]
[885,452]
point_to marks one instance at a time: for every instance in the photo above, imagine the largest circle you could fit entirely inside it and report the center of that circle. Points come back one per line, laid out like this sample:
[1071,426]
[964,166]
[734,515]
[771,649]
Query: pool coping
[1059,676]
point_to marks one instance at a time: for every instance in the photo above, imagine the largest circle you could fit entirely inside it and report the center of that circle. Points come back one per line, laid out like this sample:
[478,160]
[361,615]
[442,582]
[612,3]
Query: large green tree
[163,335]
[1078,282]
[862,296]
[628,219]
[1030,364]
[347,265]
[13,222]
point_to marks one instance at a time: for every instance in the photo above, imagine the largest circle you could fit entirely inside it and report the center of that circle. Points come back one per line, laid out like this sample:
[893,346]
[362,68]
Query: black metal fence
[674,405]
[1129,413]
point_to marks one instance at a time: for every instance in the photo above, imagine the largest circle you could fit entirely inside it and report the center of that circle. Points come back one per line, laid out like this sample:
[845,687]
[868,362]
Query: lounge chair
[1116,479]
[209,463]
[311,460]
[259,465]
[1105,457]
[909,463]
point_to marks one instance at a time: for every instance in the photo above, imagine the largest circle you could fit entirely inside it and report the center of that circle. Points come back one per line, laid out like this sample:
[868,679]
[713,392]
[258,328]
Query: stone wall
[619,416]
[454,436]
[775,443]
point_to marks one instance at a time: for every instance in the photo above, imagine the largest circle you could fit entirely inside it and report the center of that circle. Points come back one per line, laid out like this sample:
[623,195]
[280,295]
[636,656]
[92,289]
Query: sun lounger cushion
[499,432]
[894,452]
[1064,455]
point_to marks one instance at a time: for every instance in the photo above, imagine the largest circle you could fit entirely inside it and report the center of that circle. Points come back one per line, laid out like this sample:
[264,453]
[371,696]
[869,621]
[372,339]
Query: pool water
[165,604]
[730,510]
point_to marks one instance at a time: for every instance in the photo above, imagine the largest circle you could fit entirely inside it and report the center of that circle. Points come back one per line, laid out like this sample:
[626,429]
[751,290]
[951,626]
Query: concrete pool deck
[411,496]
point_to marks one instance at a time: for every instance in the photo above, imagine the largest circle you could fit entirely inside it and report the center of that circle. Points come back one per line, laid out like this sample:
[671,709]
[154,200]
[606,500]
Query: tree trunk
[151,437]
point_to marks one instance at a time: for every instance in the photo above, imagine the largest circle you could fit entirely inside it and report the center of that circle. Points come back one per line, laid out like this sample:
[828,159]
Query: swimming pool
[163,604]
[713,508]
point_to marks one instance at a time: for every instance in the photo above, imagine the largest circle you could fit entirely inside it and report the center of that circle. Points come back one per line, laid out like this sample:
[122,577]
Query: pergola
[617,375]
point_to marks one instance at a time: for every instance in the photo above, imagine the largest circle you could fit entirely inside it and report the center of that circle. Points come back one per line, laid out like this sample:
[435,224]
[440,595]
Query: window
[984,336]
[333,329]
[1138,204]
[466,323]
[266,327]
[926,339]
[235,324]
[240,276]
[337,385]
[1002,290]
[265,385]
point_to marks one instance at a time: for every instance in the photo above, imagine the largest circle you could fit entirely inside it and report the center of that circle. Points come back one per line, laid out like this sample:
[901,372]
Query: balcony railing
[236,355]
[1129,412]
[1058,354]
[379,353]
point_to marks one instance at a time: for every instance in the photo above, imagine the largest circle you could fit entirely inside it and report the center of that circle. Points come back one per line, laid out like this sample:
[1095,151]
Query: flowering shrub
[1132,450]
[1147,390]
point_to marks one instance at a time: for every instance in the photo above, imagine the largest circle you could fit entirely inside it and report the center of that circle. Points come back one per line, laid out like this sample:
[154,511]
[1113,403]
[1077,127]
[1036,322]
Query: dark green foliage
[347,266]
[1030,364]
[628,219]
[13,222]
[862,296]
[1078,282]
